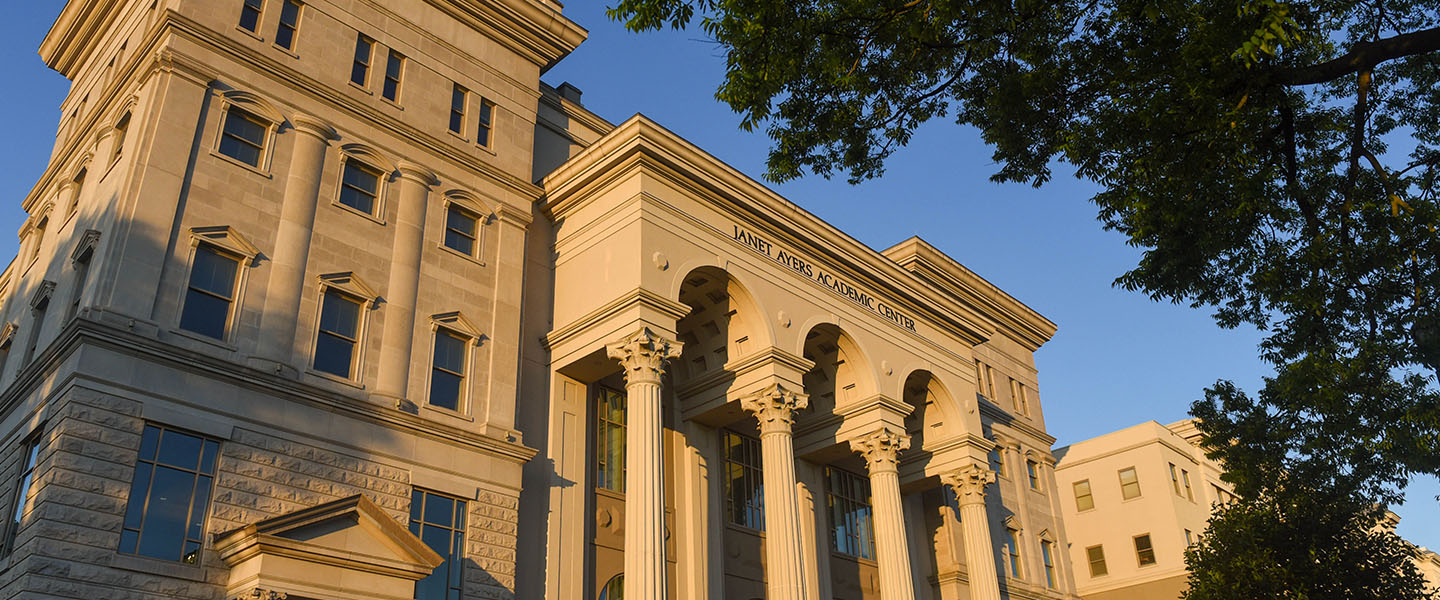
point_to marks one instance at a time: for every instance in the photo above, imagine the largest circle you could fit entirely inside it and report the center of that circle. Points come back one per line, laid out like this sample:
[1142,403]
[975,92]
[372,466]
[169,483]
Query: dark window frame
[453,568]
[254,9]
[394,74]
[230,301]
[354,342]
[747,467]
[485,122]
[237,136]
[361,68]
[204,473]
[454,234]
[345,184]
[459,101]
[464,340]
[288,28]
[855,509]
[25,481]
[610,436]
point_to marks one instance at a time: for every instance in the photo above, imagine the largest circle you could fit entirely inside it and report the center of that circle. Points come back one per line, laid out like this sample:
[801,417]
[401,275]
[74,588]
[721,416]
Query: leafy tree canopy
[1276,161]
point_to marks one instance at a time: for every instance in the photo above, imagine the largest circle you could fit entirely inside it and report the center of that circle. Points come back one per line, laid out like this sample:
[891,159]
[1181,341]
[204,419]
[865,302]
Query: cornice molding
[536,31]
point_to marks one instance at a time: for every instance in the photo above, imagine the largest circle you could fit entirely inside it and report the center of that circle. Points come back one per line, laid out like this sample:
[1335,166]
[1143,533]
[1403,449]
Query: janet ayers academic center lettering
[336,300]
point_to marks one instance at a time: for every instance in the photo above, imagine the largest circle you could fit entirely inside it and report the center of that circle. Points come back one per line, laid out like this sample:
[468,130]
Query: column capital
[969,483]
[414,172]
[775,407]
[644,355]
[881,448]
[310,125]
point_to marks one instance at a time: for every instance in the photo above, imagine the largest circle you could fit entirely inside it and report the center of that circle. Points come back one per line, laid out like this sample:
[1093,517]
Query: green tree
[1276,161]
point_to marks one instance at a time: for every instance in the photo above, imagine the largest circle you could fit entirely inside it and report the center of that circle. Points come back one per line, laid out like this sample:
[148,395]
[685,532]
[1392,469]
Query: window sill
[442,413]
[252,34]
[335,378]
[204,339]
[854,559]
[457,135]
[261,171]
[285,50]
[155,566]
[474,259]
[361,88]
[393,103]
[760,533]
[608,493]
[354,211]
[488,148]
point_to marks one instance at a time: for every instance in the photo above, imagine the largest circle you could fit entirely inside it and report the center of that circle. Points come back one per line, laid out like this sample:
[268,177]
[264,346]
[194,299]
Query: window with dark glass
[1144,552]
[122,129]
[211,293]
[447,375]
[1083,499]
[394,64]
[359,186]
[37,238]
[37,321]
[1129,483]
[1032,471]
[79,187]
[439,521]
[1047,552]
[1174,479]
[610,440]
[457,109]
[360,70]
[174,475]
[1185,480]
[997,461]
[1096,556]
[339,334]
[22,489]
[243,137]
[82,275]
[1012,548]
[483,116]
[250,15]
[460,230]
[614,589]
[744,491]
[852,527]
[289,24]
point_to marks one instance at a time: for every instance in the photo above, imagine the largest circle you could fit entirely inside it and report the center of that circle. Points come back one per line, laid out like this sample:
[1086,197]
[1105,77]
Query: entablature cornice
[673,309]
[1002,419]
[539,33]
[76,33]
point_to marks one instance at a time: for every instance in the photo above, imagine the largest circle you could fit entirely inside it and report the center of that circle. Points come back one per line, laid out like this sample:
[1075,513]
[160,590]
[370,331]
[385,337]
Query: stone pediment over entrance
[346,549]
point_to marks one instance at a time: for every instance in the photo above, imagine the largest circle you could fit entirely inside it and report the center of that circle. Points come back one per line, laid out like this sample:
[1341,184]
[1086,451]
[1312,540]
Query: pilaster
[397,340]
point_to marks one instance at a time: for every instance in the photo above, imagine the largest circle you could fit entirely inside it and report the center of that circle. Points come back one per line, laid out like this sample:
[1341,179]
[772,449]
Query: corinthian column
[644,356]
[292,238]
[404,287]
[882,453]
[969,484]
[775,408]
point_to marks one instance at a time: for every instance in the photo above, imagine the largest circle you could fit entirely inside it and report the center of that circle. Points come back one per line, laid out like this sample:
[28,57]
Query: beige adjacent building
[1133,500]
[335,299]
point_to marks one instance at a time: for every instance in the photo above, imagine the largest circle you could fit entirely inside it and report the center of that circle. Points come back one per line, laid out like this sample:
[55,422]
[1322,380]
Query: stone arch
[841,373]
[937,414]
[724,323]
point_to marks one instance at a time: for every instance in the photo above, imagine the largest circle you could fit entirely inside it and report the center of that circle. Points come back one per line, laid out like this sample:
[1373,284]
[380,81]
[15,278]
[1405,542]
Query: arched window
[614,589]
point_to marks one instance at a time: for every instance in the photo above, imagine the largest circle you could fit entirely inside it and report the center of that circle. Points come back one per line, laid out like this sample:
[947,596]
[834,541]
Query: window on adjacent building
[289,24]
[31,447]
[211,292]
[447,374]
[1144,552]
[1047,555]
[359,186]
[165,517]
[852,529]
[1129,483]
[457,109]
[1012,548]
[360,70]
[250,15]
[394,65]
[1185,480]
[610,440]
[339,334]
[243,137]
[1083,499]
[460,230]
[744,492]
[1096,556]
[439,521]
[1032,471]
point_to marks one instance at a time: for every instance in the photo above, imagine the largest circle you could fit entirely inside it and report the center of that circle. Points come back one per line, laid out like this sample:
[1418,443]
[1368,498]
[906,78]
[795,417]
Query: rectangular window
[1189,538]
[211,293]
[339,334]
[997,461]
[744,492]
[1032,470]
[852,529]
[122,129]
[165,516]
[243,137]
[250,15]
[31,448]
[457,109]
[1174,479]
[289,24]
[1022,401]
[75,194]
[359,186]
[1083,499]
[1047,552]
[1096,556]
[1129,483]
[360,70]
[1012,547]
[1185,480]
[1144,552]
[37,238]
[460,230]
[989,383]
[447,374]
[394,64]
[610,440]
[37,322]
[82,275]
[483,116]
[439,521]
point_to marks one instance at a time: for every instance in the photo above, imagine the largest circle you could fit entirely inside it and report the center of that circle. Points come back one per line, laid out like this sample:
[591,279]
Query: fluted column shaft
[292,238]
[644,356]
[404,287]
[882,449]
[969,486]
[774,407]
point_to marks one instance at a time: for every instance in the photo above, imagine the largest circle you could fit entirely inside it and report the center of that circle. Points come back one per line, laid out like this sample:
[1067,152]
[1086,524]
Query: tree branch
[1364,56]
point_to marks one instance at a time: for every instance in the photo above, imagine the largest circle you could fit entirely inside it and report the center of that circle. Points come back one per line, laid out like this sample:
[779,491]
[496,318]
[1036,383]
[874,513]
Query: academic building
[336,300]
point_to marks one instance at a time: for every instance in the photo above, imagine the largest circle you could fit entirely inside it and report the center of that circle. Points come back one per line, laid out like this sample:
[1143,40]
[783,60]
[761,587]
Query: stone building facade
[335,299]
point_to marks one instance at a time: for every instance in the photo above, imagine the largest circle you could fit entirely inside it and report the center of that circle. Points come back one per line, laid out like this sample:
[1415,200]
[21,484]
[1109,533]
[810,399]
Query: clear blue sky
[1118,359]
